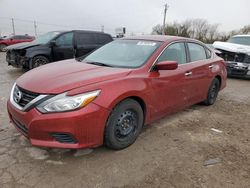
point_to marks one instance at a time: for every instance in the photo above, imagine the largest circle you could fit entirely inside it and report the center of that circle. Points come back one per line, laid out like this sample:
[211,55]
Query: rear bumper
[85,127]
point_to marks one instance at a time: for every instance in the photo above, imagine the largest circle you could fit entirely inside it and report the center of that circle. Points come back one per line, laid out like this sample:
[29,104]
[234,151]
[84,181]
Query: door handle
[188,73]
[211,66]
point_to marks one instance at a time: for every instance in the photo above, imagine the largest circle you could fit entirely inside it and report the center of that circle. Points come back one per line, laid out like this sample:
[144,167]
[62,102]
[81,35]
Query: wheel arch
[31,59]
[40,54]
[4,44]
[138,99]
[219,78]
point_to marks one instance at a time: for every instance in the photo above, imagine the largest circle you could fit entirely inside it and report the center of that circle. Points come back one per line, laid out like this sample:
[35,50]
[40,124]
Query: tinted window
[175,52]
[197,52]
[85,38]
[16,37]
[103,39]
[65,40]
[26,37]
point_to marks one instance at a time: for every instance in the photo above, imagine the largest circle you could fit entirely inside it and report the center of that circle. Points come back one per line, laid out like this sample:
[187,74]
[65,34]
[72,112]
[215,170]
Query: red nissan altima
[107,97]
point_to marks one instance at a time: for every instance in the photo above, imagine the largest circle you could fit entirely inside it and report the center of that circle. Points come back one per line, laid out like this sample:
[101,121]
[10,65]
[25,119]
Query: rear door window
[197,52]
[103,39]
[85,38]
[65,40]
[175,52]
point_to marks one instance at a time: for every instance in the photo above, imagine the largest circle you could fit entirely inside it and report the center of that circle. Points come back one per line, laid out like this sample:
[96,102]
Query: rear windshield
[240,40]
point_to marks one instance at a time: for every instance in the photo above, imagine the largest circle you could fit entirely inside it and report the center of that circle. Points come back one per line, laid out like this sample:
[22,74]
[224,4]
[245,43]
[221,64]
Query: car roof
[82,31]
[159,38]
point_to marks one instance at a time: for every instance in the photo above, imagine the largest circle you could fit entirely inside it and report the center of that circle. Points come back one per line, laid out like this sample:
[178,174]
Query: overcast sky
[138,16]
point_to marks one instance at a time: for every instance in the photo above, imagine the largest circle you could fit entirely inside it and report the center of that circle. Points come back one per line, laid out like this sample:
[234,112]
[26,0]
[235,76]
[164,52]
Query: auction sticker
[144,43]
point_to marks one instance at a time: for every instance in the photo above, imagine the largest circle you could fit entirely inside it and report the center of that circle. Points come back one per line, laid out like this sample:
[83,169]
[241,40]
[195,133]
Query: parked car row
[107,96]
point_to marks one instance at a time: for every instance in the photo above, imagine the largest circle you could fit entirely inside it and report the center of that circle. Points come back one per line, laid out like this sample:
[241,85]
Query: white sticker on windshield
[143,43]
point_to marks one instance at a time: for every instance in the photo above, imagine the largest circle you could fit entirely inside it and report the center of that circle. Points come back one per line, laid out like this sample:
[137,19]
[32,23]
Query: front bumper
[236,69]
[16,60]
[84,126]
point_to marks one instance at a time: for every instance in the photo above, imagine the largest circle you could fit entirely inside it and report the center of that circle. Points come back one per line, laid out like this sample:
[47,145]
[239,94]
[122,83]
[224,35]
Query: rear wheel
[124,124]
[2,47]
[213,92]
[38,61]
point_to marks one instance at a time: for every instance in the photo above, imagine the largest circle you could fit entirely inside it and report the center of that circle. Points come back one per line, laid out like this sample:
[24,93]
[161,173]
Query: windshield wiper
[99,64]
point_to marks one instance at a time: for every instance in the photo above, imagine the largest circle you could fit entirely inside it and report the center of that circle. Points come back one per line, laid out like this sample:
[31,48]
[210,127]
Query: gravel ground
[198,147]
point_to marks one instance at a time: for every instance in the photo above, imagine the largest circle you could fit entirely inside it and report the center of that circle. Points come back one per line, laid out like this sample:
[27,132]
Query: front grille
[247,59]
[239,72]
[26,96]
[64,138]
[20,126]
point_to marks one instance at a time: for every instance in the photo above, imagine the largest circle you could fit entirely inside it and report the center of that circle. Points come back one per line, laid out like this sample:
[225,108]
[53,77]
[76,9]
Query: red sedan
[14,40]
[108,96]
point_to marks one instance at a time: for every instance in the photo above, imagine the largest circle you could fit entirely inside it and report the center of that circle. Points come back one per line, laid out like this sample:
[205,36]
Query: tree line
[199,29]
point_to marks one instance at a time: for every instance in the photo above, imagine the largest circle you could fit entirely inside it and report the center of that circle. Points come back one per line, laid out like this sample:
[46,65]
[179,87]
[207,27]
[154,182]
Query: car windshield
[45,38]
[240,40]
[123,53]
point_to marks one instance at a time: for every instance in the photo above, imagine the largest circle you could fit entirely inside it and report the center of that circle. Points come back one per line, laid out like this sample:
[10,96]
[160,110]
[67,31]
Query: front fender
[32,52]
[115,91]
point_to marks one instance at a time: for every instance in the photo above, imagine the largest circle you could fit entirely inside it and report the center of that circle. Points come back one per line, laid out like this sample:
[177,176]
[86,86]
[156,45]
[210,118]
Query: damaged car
[236,53]
[55,46]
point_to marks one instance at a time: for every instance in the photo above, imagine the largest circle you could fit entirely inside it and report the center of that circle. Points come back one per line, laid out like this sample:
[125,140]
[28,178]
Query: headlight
[62,102]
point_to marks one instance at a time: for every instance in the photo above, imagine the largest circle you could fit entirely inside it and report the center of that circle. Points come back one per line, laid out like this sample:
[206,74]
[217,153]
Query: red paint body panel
[8,42]
[163,92]
[83,124]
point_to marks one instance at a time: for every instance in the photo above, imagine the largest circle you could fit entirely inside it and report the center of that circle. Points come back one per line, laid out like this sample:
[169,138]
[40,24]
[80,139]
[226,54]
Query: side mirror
[167,65]
[52,43]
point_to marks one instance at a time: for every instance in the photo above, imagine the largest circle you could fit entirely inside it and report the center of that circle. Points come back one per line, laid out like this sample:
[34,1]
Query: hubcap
[39,62]
[126,124]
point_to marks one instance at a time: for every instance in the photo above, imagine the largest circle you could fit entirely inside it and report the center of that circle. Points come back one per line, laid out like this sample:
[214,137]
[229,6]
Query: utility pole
[164,20]
[13,26]
[35,27]
[102,28]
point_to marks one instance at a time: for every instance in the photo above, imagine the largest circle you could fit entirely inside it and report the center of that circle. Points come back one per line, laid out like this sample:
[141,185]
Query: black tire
[124,125]
[2,47]
[38,61]
[212,92]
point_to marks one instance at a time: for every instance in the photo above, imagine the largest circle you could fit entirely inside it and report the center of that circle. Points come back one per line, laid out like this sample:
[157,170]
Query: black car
[55,46]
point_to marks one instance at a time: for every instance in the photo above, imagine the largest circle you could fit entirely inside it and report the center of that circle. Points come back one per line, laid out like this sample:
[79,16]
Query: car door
[199,72]
[169,86]
[85,43]
[63,48]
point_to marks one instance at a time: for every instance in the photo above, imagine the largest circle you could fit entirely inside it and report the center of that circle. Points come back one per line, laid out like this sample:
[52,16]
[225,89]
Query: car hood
[66,75]
[231,47]
[21,46]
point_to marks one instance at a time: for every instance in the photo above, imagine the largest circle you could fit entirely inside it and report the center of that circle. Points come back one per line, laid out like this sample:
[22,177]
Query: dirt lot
[169,153]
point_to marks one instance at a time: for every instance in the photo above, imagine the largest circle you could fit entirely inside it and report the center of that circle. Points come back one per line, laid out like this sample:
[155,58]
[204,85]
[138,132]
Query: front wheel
[124,124]
[212,92]
[38,61]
